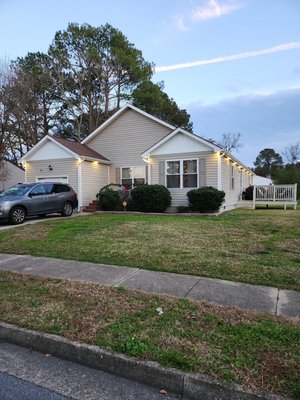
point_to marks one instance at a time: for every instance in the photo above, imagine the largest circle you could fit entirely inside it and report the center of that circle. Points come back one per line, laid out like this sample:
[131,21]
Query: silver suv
[26,199]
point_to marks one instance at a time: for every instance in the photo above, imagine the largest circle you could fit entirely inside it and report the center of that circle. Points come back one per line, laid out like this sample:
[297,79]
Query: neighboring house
[261,180]
[134,147]
[10,175]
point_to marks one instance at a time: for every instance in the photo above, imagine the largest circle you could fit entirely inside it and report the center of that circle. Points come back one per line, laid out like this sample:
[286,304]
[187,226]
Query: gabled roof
[80,149]
[77,150]
[213,146]
[117,114]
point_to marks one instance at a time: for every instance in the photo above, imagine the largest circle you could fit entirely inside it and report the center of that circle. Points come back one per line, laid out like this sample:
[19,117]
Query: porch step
[92,207]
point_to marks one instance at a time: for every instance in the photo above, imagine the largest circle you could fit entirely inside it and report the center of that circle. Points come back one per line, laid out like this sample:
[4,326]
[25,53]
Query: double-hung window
[133,176]
[232,177]
[182,174]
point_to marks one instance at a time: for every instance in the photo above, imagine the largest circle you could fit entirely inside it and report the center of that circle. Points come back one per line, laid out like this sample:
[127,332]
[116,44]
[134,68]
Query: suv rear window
[61,188]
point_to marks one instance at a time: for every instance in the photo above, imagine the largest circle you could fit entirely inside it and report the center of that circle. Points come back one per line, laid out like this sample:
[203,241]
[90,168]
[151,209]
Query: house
[134,147]
[10,175]
[261,180]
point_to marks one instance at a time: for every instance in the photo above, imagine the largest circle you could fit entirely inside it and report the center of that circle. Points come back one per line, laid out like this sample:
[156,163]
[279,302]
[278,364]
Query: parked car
[27,199]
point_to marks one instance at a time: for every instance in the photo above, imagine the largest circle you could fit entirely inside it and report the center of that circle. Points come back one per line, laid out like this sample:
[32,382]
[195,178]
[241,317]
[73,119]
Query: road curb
[189,386]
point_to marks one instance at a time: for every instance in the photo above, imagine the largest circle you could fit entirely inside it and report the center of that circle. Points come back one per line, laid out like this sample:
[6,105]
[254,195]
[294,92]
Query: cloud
[212,10]
[180,23]
[264,121]
[233,57]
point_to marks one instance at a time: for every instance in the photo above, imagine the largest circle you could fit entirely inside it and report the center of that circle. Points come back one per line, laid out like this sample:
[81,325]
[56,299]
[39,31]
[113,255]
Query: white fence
[281,194]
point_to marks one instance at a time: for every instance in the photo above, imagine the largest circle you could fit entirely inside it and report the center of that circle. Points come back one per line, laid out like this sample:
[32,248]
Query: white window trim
[181,172]
[133,175]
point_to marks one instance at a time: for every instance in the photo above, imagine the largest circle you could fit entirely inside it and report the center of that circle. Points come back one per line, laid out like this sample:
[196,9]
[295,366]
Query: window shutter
[202,172]
[146,172]
[118,181]
[162,173]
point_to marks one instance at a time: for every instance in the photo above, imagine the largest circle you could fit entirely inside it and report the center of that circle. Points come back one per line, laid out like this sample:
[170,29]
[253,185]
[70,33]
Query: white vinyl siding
[127,137]
[60,168]
[208,173]
[232,173]
[93,177]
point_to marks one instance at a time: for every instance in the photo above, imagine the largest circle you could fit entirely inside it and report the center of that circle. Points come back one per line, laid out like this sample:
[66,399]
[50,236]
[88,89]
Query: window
[40,190]
[182,174]
[231,177]
[61,188]
[133,176]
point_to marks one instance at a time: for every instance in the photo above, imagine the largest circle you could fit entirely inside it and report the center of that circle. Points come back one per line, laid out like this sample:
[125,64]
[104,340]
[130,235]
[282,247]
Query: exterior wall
[233,195]
[62,167]
[126,138]
[210,177]
[10,175]
[50,150]
[93,177]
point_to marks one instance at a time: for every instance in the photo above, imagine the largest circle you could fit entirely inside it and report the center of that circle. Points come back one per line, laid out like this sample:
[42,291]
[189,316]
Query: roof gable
[180,141]
[55,148]
[120,112]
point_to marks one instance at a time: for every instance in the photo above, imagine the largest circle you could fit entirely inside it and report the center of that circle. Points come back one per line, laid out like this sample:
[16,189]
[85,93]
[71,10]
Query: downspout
[80,161]
[219,163]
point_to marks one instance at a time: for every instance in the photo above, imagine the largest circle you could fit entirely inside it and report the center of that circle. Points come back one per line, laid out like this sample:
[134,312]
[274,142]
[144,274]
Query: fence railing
[280,193]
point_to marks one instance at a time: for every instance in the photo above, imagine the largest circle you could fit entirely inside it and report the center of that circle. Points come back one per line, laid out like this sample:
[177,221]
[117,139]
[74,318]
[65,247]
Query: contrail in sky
[240,56]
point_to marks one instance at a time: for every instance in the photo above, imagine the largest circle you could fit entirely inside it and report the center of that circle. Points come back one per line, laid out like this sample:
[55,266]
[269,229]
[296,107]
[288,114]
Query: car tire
[67,210]
[17,215]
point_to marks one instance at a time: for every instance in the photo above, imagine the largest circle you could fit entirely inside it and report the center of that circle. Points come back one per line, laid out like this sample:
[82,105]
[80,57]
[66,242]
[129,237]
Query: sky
[233,64]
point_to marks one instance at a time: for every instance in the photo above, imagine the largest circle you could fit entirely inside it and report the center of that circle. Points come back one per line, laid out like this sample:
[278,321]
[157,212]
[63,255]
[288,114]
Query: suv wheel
[17,216]
[67,210]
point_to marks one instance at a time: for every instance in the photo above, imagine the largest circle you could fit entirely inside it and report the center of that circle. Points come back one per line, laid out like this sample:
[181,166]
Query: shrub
[205,199]
[151,198]
[108,199]
[249,193]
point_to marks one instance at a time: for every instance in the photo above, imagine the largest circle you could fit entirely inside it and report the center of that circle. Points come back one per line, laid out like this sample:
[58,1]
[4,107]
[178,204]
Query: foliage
[81,81]
[249,193]
[231,141]
[290,174]
[109,199]
[267,163]
[206,199]
[292,153]
[96,68]
[151,198]
[151,98]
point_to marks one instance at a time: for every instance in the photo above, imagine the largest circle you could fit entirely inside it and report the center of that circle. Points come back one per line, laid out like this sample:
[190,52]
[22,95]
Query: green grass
[259,351]
[254,246]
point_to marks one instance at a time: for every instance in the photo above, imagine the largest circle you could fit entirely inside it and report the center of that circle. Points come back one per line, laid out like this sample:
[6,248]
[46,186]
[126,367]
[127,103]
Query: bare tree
[292,153]
[231,141]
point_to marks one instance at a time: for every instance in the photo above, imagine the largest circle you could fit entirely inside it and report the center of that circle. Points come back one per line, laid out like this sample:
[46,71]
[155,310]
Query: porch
[272,195]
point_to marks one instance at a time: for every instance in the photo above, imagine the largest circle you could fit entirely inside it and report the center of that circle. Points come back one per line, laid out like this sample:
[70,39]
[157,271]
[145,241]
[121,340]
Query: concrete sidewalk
[260,298]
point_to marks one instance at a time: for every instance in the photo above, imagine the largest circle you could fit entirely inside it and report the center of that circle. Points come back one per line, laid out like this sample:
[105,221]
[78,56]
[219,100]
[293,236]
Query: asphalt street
[29,375]
[12,388]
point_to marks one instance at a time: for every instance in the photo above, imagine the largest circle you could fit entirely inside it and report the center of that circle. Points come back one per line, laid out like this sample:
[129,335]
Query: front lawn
[254,246]
[259,351]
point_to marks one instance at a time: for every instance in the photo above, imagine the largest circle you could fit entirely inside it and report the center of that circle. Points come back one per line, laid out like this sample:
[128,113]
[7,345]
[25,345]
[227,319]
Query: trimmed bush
[108,199]
[151,198]
[206,199]
[249,193]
